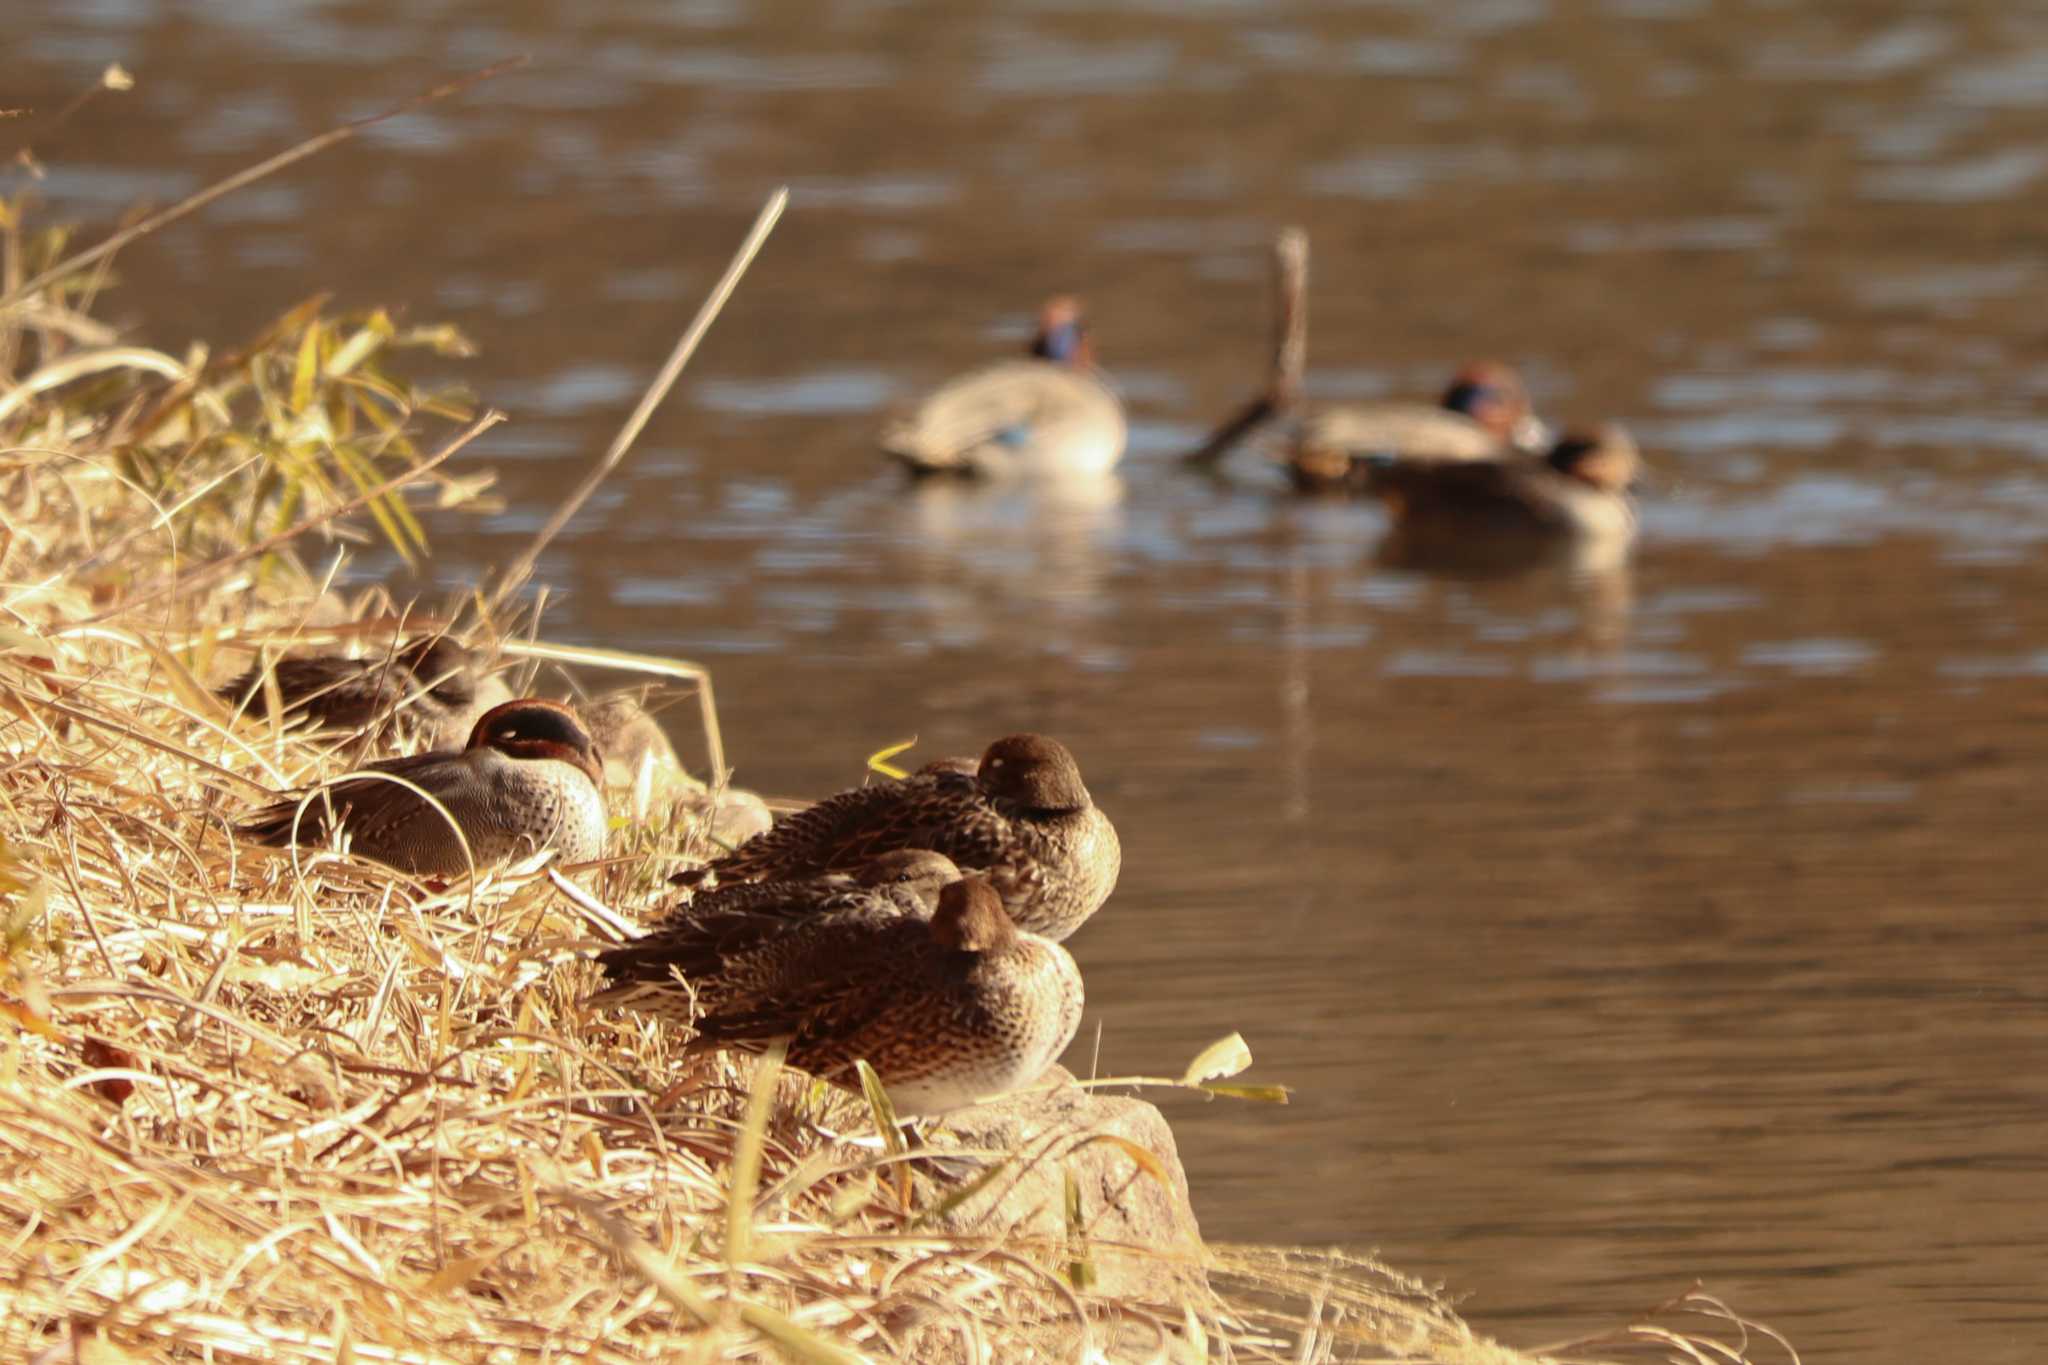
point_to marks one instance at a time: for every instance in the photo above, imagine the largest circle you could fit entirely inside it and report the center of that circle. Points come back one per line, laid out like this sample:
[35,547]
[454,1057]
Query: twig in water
[1290,352]
[115,77]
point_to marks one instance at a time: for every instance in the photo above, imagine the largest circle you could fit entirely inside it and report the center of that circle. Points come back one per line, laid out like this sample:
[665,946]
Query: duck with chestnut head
[1485,414]
[432,684]
[947,1010]
[1044,416]
[529,778]
[1022,818]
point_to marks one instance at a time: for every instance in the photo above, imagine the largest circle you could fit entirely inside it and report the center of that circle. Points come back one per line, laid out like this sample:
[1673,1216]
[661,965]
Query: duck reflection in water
[1041,548]
[1573,506]
[1570,511]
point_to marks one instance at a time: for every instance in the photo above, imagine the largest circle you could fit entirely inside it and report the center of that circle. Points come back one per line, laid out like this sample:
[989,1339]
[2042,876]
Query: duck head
[920,871]
[450,667]
[1493,395]
[624,729]
[1062,335]
[534,730]
[1605,457]
[1035,772]
[971,918]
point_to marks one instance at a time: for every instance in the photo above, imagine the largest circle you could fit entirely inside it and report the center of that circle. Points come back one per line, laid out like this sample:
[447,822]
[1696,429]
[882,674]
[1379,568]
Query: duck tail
[272,826]
[651,976]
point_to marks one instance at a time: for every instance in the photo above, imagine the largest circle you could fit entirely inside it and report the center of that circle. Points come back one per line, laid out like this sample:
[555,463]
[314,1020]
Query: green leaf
[879,1105]
[879,759]
[1224,1057]
[366,342]
[1261,1094]
[307,369]
[1080,1270]
[380,509]
[444,339]
[746,1158]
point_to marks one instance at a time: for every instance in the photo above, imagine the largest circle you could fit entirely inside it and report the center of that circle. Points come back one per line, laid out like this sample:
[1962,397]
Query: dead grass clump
[255,1107]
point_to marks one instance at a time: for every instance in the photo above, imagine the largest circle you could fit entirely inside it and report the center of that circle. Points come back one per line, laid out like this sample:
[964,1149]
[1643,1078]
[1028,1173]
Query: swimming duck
[1045,416]
[1022,818]
[529,778]
[433,683]
[1578,491]
[700,937]
[946,1010]
[1485,414]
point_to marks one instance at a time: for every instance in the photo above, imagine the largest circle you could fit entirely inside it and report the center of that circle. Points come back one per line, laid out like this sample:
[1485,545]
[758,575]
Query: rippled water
[1677,922]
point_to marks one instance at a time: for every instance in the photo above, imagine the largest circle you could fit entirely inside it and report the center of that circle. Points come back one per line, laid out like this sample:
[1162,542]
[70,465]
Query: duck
[947,1011]
[1577,492]
[698,937]
[1022,818]
[529,778]
[1484,414]
[433,683]
[634,745]
[1045,415]
[643,773]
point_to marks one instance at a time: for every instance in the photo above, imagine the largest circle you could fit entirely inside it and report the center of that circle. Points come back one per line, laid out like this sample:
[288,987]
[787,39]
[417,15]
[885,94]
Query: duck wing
[993,418]
[735,939]
[1508,494]
[369,807]
[842,832]
[824,990]
[345,693]
[787,899]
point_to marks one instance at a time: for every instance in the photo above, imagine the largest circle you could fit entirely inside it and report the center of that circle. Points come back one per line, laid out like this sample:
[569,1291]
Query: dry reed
[257,1107]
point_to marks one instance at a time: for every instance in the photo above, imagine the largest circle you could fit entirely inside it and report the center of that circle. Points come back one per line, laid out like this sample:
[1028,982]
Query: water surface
[1679,922]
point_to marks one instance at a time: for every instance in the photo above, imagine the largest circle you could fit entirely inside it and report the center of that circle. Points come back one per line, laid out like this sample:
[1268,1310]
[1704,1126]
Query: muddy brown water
[1681,923]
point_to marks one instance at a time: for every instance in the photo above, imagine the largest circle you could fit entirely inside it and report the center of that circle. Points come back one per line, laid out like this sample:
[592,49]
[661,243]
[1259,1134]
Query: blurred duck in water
[1045,416]
[1485,414]
[1510,508]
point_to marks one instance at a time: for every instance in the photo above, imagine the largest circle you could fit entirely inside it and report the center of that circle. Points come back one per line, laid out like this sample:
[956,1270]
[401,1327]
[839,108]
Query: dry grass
[262,1108]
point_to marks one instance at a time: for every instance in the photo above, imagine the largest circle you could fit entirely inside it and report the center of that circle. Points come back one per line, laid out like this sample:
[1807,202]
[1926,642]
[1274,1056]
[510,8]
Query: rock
[1137,1231]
